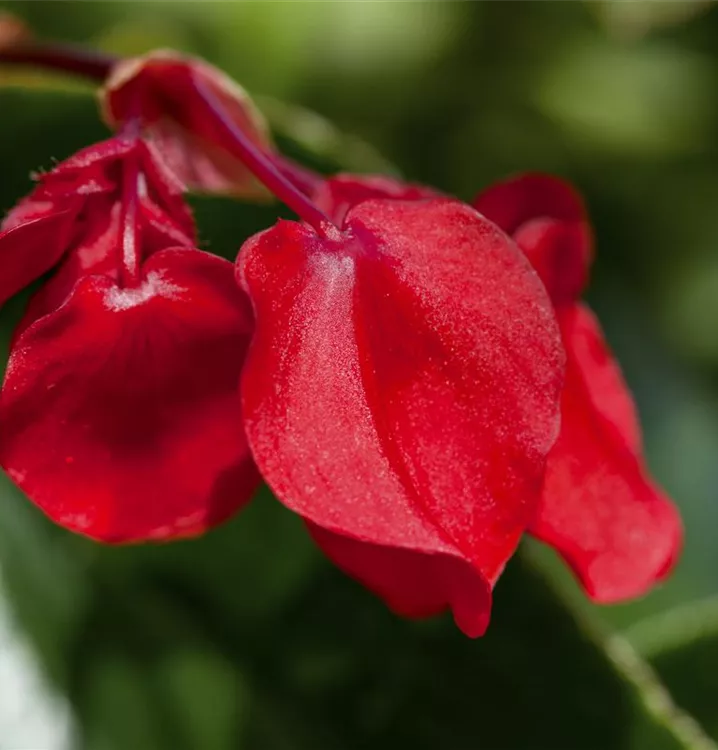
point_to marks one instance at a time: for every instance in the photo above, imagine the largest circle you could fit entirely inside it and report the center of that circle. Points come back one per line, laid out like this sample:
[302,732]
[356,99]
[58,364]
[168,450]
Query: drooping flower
[401,394]
[119,409]
[600,508]
[402,387]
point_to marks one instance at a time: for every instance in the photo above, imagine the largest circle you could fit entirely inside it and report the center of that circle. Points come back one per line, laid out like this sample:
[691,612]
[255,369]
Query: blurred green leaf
[633,18]
[682,645]
[647,102]
[151,663]
[542,677]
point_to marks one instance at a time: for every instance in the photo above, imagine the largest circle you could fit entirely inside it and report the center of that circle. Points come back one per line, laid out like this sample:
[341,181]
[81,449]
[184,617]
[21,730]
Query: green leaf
[682,645]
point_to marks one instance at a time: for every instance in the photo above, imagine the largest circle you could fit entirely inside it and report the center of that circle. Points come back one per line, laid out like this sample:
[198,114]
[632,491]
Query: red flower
[401,394]
[73,214]
[160,88]
[119,406]
[600,509]
[403,385]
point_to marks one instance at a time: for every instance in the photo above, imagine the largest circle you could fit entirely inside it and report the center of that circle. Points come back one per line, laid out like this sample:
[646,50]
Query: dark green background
[247,638]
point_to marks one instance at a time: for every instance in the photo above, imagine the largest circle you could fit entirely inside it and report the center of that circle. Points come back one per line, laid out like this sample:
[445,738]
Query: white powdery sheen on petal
[155,285]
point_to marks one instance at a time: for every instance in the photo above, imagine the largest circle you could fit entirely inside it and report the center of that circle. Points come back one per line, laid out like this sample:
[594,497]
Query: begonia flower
[401,356]
[119,412]
[600,508]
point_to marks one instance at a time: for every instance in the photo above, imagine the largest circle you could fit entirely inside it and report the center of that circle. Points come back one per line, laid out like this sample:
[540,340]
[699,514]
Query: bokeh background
[247,638]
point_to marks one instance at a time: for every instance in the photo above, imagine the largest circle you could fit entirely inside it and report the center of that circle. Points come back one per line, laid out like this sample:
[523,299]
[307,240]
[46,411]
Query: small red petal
[600,509]
[97,254]
[159,87]
[402,386]
[547,218]
[27,209]
[90,170]
[120,409]
[338,194]
[530,196]
[165,190]
[29,249]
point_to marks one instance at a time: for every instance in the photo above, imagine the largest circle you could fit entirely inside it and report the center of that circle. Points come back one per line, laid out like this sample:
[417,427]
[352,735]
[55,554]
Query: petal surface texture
[402,391]
[120,410]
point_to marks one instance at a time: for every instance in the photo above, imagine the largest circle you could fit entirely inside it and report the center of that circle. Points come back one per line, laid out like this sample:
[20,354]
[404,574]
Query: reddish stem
[262,167]
[301,177]
[65,58]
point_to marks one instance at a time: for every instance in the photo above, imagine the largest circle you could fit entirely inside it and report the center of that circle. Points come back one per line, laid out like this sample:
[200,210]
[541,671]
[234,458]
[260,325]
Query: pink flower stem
[262,167]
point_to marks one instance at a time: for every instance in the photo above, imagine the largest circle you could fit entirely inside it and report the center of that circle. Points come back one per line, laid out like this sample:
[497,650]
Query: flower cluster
[416,377]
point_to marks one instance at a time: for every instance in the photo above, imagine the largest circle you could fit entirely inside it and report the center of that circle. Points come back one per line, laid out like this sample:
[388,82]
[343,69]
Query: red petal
[97,254]
[338,194]
[160,88]
[30,249]
[90,170]
[166,191]
[412,584]
[161,231]
[27,209]
[99,251]
[547,218]
[529,196]
[402,386]
[97,170]
[120,413]
[600,509]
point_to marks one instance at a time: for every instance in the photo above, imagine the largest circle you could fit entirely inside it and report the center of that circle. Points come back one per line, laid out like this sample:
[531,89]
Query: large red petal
[600,509]
[402,387]
[160,88]
[338,194]
[120,413]
[547,218]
